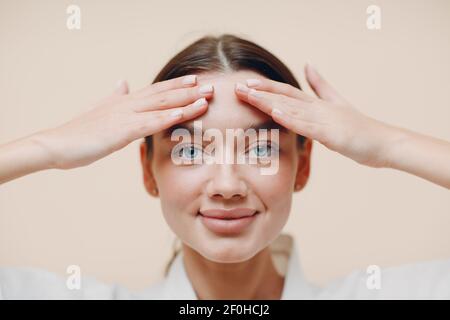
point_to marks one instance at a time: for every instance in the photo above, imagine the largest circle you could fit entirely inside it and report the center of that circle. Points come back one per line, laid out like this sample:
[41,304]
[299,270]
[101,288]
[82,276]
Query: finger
[121,87]
[267,101]
[320,86]
[278,87]
[155,121]
[299,126]
[172,98]
[176,83]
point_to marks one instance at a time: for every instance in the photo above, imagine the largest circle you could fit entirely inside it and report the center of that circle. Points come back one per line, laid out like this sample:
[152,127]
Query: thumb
[320,86]
[121,87]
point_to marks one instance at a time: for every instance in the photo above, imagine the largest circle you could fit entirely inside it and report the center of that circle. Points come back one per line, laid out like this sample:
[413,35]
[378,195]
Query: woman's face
[187,190]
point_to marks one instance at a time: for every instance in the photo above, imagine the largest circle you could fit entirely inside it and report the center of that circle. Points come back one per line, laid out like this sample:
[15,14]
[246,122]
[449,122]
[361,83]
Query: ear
[304,165]
[149,181]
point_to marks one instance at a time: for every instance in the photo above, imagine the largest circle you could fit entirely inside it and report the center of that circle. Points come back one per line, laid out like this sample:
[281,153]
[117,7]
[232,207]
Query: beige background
[100,217]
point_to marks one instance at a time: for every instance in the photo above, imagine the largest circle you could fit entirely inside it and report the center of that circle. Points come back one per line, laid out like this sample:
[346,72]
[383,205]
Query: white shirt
[426,280]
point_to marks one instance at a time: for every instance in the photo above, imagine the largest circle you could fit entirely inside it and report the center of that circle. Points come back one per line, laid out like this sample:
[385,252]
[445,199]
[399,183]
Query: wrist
[395,139]
[44,155]
[22,157]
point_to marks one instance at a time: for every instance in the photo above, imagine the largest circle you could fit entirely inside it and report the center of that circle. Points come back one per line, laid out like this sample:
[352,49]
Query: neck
[255,278]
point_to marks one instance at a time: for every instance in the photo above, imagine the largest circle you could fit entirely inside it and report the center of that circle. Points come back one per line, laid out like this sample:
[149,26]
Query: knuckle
[284,100]
[157,115]
[191,94]
[290,88]
[161,101]
[166,116]
[295,113]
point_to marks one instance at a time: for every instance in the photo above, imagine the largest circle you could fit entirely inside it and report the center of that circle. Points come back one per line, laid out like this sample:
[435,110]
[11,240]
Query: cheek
[274,190]
[275,194]
[179,188]
[179,197]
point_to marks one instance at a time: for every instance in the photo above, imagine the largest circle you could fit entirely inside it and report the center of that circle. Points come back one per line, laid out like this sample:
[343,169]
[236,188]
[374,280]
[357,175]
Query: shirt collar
[284,253]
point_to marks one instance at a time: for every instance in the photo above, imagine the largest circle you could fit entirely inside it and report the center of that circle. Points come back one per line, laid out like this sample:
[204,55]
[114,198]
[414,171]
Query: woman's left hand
[328,118]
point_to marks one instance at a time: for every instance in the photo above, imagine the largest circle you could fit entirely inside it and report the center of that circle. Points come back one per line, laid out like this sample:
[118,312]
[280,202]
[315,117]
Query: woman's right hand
[122,118]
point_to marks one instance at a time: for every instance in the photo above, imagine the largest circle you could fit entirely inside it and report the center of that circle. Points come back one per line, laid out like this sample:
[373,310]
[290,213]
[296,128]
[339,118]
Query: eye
[263,149]
[187,152]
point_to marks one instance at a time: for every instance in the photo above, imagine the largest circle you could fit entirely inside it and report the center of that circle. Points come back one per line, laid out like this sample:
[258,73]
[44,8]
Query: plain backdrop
[100,217]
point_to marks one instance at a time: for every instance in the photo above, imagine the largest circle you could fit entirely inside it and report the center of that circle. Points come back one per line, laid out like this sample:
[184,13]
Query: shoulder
[423,280]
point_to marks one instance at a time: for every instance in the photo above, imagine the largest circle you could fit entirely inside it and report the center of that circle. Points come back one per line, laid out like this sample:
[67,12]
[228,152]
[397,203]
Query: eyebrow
[269,124]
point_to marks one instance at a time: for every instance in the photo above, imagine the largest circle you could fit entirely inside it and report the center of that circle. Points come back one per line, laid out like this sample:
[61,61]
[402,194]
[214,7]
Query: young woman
[229,216]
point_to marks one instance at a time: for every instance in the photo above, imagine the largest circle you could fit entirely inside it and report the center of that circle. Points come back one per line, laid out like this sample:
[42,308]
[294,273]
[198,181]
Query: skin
[241,263]
[110,125]
[328,119]
[331,120]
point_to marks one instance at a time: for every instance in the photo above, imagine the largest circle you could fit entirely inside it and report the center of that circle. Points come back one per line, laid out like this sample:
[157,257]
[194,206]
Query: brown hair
[221,54]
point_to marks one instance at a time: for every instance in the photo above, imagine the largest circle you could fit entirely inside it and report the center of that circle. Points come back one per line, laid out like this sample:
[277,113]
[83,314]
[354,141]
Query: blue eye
[261,150]
[264,150]
[188,152]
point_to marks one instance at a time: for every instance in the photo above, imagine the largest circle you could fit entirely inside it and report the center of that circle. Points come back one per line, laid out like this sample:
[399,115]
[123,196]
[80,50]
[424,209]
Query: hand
[122,118]
[328,118]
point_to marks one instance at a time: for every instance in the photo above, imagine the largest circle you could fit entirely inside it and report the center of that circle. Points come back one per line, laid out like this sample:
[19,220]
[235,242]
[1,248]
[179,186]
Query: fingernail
[277,111]
[242,88]
[176,113]
[253,82]
[119,83]
[207,88]
[191,79]
[255,93]
[199,103]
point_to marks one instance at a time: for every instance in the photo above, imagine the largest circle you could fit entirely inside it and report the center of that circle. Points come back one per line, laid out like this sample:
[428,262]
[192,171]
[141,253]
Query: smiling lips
[227,221]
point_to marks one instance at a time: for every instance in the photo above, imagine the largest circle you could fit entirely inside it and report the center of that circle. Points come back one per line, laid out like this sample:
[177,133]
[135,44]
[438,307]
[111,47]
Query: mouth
[227,222]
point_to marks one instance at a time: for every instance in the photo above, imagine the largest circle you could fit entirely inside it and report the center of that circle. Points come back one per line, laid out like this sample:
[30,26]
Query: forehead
[225,109]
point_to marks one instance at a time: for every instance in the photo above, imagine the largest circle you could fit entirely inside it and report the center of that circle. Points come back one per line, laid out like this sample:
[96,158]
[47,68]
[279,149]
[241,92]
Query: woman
[229,217]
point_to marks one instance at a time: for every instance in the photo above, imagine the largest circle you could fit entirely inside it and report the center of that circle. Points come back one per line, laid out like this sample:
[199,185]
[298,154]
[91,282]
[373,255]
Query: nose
[226,182]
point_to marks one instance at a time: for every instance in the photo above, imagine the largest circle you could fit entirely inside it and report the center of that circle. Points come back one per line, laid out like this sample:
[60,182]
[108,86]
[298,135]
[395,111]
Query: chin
[228,251]
[233,257]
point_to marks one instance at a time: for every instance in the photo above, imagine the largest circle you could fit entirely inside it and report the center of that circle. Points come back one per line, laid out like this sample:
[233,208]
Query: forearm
[420,155]
[23,156]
